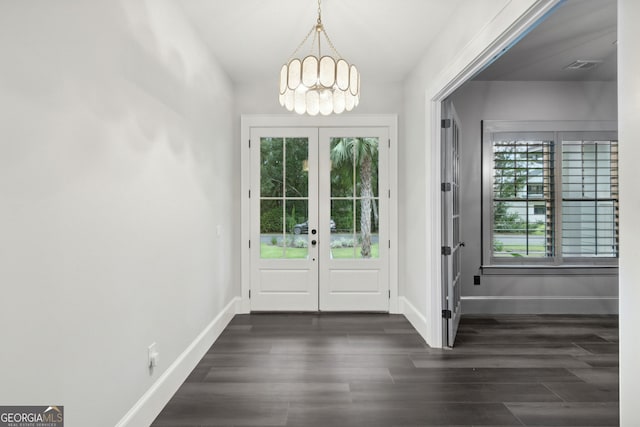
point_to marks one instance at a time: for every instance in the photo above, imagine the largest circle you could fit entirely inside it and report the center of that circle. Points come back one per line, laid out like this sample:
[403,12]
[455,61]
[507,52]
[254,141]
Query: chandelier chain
[316,39]
[302,43]
[318,28]
[333,48]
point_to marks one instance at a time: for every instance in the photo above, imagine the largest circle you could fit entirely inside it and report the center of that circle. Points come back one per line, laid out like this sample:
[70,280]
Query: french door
[451,244]
[319,219]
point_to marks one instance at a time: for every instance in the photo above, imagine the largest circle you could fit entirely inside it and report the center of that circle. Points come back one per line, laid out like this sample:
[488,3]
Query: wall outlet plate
[153,356]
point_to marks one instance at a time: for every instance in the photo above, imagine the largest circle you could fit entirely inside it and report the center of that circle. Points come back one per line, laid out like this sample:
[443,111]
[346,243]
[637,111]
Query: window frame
[596,130]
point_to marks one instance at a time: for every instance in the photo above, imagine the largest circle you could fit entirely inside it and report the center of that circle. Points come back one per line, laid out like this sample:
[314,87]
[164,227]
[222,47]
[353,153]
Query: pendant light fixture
[318,84]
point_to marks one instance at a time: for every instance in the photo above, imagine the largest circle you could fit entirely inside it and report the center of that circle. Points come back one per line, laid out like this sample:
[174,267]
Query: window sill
[550,270]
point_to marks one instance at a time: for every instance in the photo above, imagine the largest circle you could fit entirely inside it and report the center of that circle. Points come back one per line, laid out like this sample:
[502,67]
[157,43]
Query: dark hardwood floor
[370,370]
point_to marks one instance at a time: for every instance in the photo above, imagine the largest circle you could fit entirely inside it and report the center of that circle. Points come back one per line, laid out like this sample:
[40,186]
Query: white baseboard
[417,320]
[154,400]
[539,305]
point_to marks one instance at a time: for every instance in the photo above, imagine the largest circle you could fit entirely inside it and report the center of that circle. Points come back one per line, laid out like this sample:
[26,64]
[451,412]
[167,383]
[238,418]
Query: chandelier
[317,83]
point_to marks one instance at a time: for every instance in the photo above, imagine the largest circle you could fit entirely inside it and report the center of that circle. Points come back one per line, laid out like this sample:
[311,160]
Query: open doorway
[560,78]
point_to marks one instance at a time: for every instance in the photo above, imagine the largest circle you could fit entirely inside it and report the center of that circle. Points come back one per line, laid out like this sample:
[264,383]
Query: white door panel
[354,268]
[284,273]
[354,281]
[319,219]
[451,244]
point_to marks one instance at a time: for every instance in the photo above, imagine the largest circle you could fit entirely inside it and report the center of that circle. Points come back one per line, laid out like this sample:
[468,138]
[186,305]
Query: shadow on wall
[106,96]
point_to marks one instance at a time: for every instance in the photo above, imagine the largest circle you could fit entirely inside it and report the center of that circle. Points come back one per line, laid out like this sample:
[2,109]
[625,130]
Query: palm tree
[359,154]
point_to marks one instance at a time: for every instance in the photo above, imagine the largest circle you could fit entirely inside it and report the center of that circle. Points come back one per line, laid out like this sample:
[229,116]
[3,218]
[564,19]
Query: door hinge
[249,193]
[389,293]
[249,293]
[249,244]
[445,250]
[249,143]
[445,186]
[389,193]
[389,244]
[446,314]
[389,142]
[446,123]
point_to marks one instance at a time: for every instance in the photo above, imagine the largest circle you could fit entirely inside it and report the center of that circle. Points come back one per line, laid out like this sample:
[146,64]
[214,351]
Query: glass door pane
[354,197]
[284,198]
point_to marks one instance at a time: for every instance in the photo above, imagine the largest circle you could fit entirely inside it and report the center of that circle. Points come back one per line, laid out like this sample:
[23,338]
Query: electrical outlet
[476,280]
[154,356]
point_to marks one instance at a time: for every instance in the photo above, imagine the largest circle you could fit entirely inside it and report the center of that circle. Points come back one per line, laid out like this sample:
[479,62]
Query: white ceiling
[253,38]
[385,38]
[577,30]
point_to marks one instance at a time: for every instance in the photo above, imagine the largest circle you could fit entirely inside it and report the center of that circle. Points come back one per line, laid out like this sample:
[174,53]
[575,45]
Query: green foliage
[299,242]
[343,216]
[345,153]
[343,243]
[519,179]
[276,252]
[291,218]
[505,221]
[359,156]
[271,220]
[271,167]
[356,252]
[282,174]
[538,229]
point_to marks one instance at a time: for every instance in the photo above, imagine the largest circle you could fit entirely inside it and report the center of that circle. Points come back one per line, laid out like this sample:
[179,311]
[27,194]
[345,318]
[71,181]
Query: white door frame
[249,121]
[473,59]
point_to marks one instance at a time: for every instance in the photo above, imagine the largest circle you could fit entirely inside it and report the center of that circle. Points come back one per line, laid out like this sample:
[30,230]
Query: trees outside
[350,158]
[282,174]
[521,181]
[354,183]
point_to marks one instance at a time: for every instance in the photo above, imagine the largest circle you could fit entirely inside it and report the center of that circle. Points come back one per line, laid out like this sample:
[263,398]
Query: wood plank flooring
[374,370]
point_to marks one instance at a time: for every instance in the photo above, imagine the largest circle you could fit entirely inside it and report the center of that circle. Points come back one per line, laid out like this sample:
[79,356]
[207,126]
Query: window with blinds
[550,197]
[589,198]
[522,205]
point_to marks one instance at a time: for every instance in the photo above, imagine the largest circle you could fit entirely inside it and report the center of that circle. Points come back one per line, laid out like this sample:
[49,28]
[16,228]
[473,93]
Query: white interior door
[284,213]
[451,244]
[354,199]
[319,219]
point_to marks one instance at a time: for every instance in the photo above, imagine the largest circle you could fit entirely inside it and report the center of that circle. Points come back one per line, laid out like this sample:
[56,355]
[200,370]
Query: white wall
[629,133]
[116,142]
[467,35]
[520,101]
